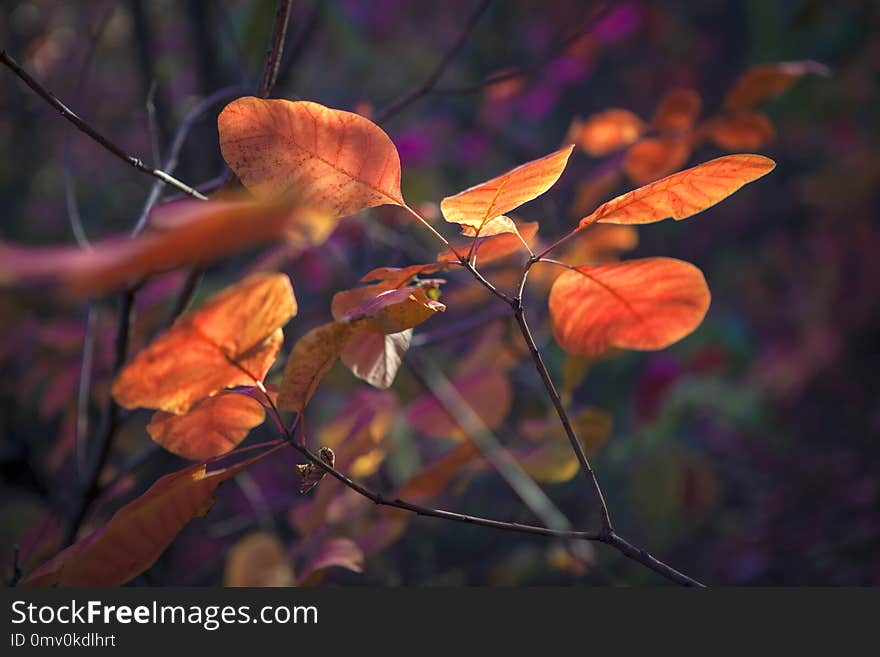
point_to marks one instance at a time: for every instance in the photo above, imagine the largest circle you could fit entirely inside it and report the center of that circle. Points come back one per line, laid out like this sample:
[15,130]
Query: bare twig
[84,127]
[273,55]
[83,392]
[431,81]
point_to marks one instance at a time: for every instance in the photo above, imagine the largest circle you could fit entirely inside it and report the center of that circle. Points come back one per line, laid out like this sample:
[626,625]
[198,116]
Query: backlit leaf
[232,339]
[678,111]
[767,81]
[493,247]
[329,159]
[212,426]
[132,540]
[655,157]
[477,205]
[643,304]
[609,131]
[742,131]
[312,356]
[685,193]
[376,357]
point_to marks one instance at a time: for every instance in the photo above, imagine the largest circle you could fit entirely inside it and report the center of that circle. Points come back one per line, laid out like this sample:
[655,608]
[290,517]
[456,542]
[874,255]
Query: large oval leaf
[477,205]
[639,304]
[330,159]
[685,193]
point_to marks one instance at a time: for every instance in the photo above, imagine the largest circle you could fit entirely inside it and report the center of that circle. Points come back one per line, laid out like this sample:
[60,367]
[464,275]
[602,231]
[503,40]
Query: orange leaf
[388,278]
[685,193]
[655,157]
[638,304]
[312,357]
[232,339]
[678,111]
[258,559]
[431,481]
[477,205]
[746,131]
[139,532]
[766,81]
[203,232]
[212,426]
[394,311]
[487,390]
[337,161]
[494,247]
[609,131]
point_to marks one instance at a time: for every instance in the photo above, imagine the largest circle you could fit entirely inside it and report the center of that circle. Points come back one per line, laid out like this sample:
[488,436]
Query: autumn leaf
[489,248]
[746,131]
[213,426]
[333,160]
[311,358]
[678,111]
[477,205]
[434,478]
[336,552]
[767,81]
[197,234]
[232,339]
[642,304]
[369,412]
[376,357]
[655,157]
[552,460]
[132,540]
[608,131]
[258,559]
[487,391]
[685,193]
[394,311]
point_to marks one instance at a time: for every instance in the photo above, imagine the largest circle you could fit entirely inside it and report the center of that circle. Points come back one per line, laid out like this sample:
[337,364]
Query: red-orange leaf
[192,233]
[431,481]
[742,131]
[232,339]
[312,356]
[685,193]
[213,426]
[655,157]
[477,205]
[766,81]
[638,304]
[138,532]
[609,131]
[678,110]
[337,161]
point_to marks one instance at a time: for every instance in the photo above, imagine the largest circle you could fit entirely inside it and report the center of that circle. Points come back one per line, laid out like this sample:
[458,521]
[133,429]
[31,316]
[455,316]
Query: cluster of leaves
[306,166]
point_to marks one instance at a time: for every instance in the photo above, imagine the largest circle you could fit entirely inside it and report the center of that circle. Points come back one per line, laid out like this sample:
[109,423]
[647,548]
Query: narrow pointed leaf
[683,194]
[477,205]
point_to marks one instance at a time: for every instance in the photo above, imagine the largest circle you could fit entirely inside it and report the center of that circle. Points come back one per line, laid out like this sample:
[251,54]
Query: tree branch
[273,54]
[84,127]
[428,85]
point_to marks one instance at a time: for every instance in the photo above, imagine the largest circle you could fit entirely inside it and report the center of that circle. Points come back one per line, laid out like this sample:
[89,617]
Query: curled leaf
[642,304]
[311,474]
[685,193]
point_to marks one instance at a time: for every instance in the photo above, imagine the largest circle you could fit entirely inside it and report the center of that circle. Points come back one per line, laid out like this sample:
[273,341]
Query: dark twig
[84,127]
[100,450]
[428,85]
[276,49]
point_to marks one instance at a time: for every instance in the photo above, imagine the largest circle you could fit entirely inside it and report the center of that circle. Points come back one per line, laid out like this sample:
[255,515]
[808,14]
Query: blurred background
[747,454]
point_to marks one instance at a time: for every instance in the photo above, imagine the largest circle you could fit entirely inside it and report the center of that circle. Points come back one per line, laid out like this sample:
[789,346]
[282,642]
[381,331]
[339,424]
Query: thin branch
[83,392]
[563,43]
[273,54]
[428,85]
[84,127]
